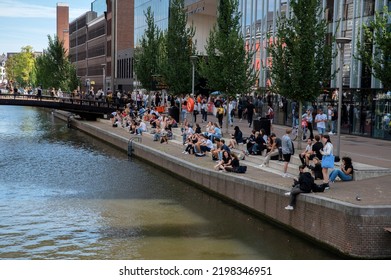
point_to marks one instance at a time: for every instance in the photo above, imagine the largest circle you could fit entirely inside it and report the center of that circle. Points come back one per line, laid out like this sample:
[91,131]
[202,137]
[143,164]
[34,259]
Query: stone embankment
[335,218]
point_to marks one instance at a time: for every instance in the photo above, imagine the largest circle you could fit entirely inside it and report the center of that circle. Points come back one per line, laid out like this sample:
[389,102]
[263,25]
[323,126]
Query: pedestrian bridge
[85,108]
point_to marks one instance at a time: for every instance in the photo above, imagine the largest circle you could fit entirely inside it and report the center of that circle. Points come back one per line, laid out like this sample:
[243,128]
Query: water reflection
[65,195]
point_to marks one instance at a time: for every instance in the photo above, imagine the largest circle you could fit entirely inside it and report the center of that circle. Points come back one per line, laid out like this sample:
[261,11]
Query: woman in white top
[327,150]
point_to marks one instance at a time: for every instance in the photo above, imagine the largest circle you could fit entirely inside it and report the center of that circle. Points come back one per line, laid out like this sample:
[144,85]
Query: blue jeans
[139,131]
[338,173]
[183,115]
[321,130]
[334,126]
[184,137]
[213,136]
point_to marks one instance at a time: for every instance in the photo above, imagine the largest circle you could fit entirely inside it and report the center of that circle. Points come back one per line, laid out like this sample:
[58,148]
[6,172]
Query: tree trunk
[300,128]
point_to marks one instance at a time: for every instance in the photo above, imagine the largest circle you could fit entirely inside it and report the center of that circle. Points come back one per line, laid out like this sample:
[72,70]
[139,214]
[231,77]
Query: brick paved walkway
[373,191]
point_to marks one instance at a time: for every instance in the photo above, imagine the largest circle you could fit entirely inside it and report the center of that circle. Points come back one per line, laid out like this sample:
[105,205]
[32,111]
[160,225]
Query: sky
[29,22]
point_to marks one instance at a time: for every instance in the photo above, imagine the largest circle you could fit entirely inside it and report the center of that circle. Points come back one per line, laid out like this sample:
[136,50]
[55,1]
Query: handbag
[328,161]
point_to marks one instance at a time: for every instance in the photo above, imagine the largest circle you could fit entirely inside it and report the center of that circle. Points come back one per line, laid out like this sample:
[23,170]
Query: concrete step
[362,171]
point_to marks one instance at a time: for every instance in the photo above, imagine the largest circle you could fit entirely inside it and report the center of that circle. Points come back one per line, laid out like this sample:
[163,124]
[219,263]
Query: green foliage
[20,67]
[176,65]
[228,66]
[377,33]
[148,53]
[54,69]
[301,57]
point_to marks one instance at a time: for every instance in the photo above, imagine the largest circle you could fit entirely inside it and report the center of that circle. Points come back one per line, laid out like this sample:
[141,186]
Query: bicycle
[295,133]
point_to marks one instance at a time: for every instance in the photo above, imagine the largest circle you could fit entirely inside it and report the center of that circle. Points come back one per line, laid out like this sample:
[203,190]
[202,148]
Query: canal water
[65,195]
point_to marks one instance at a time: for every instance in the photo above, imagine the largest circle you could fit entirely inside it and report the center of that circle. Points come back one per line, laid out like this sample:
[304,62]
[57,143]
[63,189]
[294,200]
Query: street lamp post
[341,41]
[104,77]
[193,60]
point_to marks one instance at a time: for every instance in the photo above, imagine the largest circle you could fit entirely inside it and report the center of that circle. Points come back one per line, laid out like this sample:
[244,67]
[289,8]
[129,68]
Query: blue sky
[28,22]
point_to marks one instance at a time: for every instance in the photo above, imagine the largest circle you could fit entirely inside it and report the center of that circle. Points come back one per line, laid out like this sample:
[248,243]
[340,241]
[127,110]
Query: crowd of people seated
[226,153]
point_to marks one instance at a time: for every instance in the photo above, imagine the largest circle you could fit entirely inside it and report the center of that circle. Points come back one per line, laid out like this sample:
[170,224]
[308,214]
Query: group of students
[135,122]
[322,155]
[318,150]
[199,143]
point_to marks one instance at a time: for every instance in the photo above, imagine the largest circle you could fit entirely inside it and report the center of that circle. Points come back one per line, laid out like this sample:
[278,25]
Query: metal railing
[137,138]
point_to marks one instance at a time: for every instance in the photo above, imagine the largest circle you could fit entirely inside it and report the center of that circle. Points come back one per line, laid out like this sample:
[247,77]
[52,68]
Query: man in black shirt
[250,109]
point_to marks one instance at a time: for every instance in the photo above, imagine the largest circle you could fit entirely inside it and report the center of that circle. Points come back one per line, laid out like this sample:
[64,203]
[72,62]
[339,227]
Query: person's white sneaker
[289,208]
[262,165]
[287,193]
[285,175]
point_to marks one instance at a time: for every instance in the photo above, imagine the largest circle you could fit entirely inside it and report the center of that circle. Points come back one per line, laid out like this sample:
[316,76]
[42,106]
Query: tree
[148,53]
[377,35]
[301,56]
[54,69]
[20,67]
[176,66]
[228,66]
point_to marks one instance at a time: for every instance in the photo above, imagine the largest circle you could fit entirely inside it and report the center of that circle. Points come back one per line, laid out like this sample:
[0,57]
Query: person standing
[184,111]
[240,109]
[295,114]
[326,151]
[309,119]
[334,119]
[320,120]
[231,112]
[329,115]
[204,111]
[287,150]
[196,110]
[39,92]
[250,110]
[139,99]
[220,114]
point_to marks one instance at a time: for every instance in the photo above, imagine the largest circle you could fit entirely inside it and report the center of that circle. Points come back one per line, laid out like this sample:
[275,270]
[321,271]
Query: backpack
[271,114]
[293,148]
[220,111]
[199,154]
[318,188]
[334,115]
[241,169]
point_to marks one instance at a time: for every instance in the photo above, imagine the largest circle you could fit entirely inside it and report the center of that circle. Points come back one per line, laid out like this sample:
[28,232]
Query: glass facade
[260,16]
[366,108]
[160,10]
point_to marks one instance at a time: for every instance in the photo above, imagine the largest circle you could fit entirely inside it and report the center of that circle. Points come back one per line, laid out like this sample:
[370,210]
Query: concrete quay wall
[354,230]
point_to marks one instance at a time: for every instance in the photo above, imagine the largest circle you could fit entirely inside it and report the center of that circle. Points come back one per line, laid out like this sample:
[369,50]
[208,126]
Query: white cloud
[17,9]
[22,10]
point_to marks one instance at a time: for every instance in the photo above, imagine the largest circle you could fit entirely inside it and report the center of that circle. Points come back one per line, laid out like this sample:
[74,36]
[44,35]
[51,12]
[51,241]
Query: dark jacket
[306,182]
[317,171]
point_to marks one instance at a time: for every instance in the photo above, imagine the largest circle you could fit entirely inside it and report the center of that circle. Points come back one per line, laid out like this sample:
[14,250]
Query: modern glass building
[260,17]
[366,107]
[201,13]
[160,10]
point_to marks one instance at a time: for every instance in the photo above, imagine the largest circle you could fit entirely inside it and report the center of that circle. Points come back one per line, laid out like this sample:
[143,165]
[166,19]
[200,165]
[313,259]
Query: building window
[369,7]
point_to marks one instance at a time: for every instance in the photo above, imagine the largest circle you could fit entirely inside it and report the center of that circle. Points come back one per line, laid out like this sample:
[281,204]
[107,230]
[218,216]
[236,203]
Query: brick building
[63,24]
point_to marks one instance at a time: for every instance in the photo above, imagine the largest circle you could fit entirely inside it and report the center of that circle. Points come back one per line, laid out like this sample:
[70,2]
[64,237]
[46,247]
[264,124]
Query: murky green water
[65,195]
